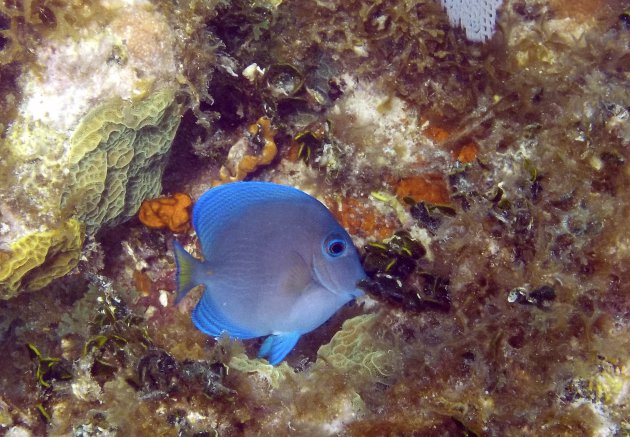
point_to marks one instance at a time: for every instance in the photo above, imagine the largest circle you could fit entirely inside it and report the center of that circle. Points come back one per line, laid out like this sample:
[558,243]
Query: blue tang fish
[276,263]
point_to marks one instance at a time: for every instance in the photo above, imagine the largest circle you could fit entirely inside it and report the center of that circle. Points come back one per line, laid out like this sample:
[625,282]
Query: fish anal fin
[276,347]
[210,321]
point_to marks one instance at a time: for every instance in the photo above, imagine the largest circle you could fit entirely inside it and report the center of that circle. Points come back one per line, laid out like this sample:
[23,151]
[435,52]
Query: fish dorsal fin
[209,320]
[220,206]
[276,347]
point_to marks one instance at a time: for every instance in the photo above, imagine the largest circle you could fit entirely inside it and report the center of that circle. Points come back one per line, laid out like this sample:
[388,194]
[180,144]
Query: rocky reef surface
[485,185]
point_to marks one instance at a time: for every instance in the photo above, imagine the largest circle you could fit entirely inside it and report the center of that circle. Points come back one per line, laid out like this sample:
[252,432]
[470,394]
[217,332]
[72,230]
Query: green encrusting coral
[117,158]
[353,351]
[273,375]
[114,160]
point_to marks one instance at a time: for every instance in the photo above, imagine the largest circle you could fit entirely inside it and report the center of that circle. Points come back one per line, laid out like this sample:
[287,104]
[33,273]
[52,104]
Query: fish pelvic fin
[186,268]
[276,347]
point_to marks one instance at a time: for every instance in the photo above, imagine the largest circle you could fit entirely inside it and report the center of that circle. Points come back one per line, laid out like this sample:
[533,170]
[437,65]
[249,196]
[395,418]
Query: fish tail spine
[186,267]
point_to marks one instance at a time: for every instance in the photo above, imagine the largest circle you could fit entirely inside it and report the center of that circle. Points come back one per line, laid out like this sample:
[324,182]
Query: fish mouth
[361,288]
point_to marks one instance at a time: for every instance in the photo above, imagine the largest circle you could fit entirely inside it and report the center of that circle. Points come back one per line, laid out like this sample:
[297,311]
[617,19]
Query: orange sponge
[245,160]
[424,188]
[167,212]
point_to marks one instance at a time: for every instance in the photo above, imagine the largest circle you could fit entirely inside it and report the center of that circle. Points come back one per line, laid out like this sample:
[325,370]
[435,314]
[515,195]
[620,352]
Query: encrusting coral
[353,350]
[115,161]
[169,212]
[117,156]
[38,258]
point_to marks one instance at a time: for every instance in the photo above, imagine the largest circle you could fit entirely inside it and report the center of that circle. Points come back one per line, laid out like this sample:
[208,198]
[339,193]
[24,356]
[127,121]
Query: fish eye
[335,247]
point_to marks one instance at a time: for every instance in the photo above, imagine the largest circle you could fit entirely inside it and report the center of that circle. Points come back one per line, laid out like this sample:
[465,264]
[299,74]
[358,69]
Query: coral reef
[90,138]
[485,186]
[353,351]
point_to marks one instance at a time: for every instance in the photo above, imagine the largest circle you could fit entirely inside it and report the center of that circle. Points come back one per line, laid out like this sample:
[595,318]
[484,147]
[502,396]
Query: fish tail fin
[186,267]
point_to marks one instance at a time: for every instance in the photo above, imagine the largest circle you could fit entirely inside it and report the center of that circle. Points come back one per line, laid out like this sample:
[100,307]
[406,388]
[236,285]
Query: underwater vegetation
[484,186]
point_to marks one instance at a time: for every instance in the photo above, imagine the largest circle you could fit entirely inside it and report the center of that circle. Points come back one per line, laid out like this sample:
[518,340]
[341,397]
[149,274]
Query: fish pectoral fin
[276,347]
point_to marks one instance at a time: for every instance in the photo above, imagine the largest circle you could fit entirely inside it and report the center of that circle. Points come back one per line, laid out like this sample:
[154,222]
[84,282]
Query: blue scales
[276,263]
